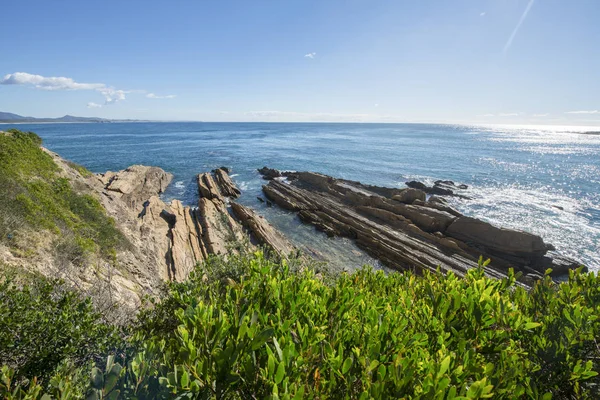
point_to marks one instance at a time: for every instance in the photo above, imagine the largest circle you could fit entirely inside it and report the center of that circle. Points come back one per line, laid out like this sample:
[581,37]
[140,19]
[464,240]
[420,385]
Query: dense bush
[35,195]
[47,329]
[266,331]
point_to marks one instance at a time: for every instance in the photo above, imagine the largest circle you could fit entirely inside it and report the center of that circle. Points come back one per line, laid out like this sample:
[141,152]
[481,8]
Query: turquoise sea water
[545,180]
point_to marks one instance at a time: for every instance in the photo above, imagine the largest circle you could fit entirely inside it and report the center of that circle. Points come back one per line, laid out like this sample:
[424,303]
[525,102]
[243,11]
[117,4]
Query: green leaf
[260,339]
[280,373]
[347,365]
[531,325]
[185,379]
[97,379]
[444,366]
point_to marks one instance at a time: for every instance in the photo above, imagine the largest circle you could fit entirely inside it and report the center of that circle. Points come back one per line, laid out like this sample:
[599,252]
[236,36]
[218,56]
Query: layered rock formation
[263,231]
[404,231]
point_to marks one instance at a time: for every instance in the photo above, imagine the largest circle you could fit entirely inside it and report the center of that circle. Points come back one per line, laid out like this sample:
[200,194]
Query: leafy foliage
[271,330]
[47,329]
[35,195]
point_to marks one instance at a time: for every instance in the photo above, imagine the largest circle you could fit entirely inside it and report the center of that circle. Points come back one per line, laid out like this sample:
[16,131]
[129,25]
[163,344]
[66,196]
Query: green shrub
[34,195]
[267,330]
[275,333]
[46,328]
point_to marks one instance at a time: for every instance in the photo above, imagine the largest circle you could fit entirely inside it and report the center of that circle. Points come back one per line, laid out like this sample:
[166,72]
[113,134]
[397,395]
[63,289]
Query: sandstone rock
[138,183]
[417,236]
[560,265]
[225,184]
[221,234]
[207,187]
[504,242]
[408,196]
[264,232]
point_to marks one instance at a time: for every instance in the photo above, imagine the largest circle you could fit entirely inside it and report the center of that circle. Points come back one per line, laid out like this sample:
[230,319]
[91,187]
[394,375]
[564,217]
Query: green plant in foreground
[265,330]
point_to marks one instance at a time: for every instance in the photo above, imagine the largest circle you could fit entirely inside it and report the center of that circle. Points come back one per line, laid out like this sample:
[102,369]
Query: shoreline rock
[408,235]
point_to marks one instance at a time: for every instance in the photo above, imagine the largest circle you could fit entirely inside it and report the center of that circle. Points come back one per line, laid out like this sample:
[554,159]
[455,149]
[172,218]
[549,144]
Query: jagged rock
[137,183]
[225,184]
[408,196]
[508,243]
[186,247]
[422,235]
[221,234]
[207,187]
[560,265]
[264,232]
[269,173]
[440,188]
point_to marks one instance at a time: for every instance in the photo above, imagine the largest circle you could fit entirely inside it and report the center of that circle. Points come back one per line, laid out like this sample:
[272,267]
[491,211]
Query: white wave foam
[560,219]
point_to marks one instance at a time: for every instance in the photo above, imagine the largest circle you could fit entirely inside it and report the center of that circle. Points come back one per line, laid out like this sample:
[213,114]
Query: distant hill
[15,118]
[11,117]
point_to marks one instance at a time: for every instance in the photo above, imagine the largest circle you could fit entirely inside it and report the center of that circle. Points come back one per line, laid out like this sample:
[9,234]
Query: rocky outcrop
[225,184]
[137,183]
[420,235]
[440,188]
[269,173]
[517,246]
[207,187]
[264,233]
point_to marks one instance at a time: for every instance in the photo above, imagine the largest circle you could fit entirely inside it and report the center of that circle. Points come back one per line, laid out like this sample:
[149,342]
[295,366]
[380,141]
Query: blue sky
[325,60]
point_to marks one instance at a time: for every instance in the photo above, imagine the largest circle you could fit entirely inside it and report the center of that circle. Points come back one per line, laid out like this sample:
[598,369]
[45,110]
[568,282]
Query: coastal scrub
[34,195]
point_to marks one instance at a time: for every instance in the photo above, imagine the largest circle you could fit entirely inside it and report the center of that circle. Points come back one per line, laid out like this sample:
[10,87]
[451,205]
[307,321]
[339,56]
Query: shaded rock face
[416,235]
[263,231]
[269,173]
[439,188]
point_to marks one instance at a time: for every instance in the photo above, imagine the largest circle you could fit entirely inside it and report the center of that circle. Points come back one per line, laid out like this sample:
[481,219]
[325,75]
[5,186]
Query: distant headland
[11,118]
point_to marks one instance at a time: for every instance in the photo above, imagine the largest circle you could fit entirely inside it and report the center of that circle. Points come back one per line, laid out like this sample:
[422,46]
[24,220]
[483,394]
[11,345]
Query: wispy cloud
[93,105]
[155,96]
[508,114]
[584,112]
[516,30]
[111,95]
[310,55]
[48,83]
[482,14]
[541,115]
[487,115]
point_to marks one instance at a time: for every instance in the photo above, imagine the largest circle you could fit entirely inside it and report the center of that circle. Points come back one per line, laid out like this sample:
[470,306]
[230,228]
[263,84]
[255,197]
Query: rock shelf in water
[402,230]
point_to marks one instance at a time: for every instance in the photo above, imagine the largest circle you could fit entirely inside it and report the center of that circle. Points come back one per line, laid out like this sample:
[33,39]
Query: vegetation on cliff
[35,195]
[253,328]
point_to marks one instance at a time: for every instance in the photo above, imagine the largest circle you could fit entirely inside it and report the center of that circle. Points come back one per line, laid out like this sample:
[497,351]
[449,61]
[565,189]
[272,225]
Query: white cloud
[376,104]
[584,112]
[48,83]
[516,30]
[93,105]
[310,55]
[154,96]
[111,95]
[508,114]
[482,14]
[541,115]
[487,115]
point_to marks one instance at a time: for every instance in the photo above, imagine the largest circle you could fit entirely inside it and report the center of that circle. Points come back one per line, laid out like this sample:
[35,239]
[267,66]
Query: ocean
[545,180]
